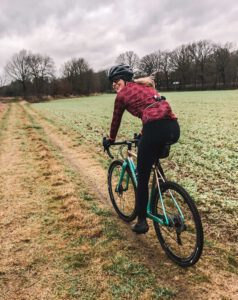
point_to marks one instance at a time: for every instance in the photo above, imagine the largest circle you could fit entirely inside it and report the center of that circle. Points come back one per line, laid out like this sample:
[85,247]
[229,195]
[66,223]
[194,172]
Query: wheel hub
[179,224]
[119,190]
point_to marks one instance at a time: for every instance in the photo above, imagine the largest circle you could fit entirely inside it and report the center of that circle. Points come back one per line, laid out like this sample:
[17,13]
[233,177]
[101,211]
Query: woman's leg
[145,159]
[155,135]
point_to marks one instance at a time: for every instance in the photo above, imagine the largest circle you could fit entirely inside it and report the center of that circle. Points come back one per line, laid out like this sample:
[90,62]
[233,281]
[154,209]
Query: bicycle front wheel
[182,239]
[122,191]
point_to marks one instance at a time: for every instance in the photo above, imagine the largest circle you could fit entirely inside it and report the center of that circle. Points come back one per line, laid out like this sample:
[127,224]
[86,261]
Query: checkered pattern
[136,98]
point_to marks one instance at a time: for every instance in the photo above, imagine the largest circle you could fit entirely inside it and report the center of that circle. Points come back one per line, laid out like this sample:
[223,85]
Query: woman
[160,126]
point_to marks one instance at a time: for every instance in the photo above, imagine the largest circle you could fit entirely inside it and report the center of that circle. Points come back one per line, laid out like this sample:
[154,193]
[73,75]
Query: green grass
[129,279]
[75,261]
[205,160]
[101,212]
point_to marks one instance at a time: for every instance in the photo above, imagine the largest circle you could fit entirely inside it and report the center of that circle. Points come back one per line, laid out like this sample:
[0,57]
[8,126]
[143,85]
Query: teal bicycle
[175,217]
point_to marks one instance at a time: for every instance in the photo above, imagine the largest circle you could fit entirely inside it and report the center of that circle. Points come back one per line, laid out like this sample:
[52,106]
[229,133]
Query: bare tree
[149,63]
[129,58]
[78,74]
[200,53]
[18,69]
[181,61]
[41,71]
[2,80]
[103,83]
[166,66]
[222,60]
[234,68]
[75,67]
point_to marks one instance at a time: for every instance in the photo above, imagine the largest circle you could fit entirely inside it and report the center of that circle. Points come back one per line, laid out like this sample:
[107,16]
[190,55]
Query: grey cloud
[25,15]
[100,30]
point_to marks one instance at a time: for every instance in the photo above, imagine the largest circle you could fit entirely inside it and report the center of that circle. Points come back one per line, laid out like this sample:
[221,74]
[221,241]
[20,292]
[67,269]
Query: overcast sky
[100,30]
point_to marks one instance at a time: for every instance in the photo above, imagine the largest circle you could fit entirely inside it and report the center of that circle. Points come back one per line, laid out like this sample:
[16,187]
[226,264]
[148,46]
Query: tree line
[195,66]
[33,77]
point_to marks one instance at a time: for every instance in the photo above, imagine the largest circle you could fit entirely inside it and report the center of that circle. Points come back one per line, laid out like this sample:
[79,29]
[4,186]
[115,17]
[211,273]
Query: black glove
[137,136]
[106,143]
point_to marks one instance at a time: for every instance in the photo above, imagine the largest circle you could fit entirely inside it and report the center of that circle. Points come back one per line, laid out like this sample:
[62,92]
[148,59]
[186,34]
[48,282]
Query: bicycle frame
[163,208]
[162,219]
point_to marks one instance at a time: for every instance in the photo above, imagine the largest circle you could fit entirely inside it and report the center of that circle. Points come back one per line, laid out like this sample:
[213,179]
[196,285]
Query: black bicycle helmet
[120,72]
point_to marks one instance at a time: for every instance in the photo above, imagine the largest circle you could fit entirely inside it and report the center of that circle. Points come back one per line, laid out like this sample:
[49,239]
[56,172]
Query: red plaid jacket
[136,98]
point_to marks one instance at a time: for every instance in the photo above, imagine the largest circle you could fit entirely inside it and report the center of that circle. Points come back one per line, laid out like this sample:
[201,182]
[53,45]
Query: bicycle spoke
[122,191]
[164,228]
[182,239]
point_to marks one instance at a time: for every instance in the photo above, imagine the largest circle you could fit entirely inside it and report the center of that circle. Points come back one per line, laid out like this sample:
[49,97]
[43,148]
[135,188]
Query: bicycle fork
[128,163]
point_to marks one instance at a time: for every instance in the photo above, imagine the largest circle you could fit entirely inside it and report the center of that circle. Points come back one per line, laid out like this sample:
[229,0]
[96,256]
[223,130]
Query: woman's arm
[116,119]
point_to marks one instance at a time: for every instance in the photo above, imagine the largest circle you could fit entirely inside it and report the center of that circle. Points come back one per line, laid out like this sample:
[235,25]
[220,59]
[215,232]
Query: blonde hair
[148,81]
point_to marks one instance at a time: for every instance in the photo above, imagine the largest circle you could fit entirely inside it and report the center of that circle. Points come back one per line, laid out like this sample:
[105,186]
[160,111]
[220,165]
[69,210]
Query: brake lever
[109,153]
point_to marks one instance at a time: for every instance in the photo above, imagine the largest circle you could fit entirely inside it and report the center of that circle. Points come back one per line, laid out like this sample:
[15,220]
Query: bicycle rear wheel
[123,196]
[182,239]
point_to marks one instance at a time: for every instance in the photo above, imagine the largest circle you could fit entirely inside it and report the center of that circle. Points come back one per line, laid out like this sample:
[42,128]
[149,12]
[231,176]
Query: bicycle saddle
[164,151]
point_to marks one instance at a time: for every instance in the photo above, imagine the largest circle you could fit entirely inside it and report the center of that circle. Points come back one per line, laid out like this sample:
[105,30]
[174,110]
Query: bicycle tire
[191,227]
[126,210]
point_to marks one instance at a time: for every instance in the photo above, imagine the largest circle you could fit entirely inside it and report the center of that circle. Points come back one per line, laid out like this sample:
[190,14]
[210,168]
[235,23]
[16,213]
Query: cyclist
[160,127]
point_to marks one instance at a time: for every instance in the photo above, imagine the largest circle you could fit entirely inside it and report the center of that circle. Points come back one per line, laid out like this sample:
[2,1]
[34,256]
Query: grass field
[206,157]
[59,237]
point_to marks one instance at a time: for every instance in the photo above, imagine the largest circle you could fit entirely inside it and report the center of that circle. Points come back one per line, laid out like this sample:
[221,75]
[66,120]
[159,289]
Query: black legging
[155,135]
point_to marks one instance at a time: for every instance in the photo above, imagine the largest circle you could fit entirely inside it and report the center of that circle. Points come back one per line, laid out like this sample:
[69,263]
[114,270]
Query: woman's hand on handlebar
[106,145]
[137,136]
[107,142]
